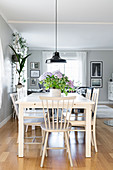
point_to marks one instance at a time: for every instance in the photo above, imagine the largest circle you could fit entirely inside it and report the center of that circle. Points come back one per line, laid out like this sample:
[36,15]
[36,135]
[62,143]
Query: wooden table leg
[21,132]
[88,131]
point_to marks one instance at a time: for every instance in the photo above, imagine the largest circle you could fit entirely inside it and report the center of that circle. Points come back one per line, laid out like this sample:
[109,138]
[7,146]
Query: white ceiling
[82,24]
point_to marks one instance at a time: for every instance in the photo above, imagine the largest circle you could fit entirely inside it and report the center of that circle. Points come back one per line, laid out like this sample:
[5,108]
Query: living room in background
[75,68]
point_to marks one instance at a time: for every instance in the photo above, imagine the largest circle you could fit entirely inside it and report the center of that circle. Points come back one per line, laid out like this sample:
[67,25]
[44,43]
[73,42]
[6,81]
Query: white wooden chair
[14,98]
[82,123]
[88,93]
[76,112]
[88,96]
[27,113]
[56,123]
[31,117]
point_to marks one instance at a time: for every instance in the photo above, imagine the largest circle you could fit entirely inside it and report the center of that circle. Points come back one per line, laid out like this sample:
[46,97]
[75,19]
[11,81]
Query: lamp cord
[56,25]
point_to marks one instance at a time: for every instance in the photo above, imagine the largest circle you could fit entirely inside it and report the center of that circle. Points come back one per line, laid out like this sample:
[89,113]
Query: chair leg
[43,139]
[26,128]
[17,138]
[76,138]
[92,141]
[68,148]
[44,150]
[68,134]
[64,138]
[42,132]
[94,138]
[15,116]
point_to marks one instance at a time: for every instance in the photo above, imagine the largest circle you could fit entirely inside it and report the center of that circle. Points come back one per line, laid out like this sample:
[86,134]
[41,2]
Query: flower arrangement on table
[57,80]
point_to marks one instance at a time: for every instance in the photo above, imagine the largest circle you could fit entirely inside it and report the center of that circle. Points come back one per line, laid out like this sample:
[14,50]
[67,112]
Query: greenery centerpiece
[57,80]
[20,50]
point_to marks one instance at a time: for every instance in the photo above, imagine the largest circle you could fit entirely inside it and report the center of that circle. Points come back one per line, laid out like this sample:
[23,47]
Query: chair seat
[34,121]
[79,122]
[76,122]
[33,117]
[56,129]
[29,115]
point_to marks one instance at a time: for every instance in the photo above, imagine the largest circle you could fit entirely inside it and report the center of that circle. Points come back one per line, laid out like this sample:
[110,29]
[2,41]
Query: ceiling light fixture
[56,57]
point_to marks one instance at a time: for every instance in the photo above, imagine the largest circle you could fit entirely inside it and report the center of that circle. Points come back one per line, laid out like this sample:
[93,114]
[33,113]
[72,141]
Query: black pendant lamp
[56,57]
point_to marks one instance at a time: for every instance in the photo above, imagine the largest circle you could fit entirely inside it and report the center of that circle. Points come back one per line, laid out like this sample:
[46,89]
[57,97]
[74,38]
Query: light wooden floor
[57,159]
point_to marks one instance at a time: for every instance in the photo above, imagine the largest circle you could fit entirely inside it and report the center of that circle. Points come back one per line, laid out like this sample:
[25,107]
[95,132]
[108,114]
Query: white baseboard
[5,120]
[105,102]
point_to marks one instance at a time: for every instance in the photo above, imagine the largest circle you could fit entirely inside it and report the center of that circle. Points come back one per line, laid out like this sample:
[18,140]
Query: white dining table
[33,101]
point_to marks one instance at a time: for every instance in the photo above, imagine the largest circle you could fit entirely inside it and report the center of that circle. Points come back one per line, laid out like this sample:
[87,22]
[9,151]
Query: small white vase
[55,92]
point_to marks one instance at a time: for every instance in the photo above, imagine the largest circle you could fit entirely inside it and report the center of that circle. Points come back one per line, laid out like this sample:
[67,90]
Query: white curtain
[80,69]
[83,68]
[1,72]
[46,55]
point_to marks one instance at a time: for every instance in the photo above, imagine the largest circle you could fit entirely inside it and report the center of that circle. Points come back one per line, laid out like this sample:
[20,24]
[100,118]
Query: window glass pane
[75,68]
[70,69]
[53,67]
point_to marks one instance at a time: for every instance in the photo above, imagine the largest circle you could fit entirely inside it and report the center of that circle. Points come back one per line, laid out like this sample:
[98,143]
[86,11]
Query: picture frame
[96,69]
[33,82]
[35,73]
[98,82]
[35,65]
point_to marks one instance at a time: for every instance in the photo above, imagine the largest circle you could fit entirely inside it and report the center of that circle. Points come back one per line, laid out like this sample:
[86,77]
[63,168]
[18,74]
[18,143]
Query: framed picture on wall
[35,73]
[96,69]
[96,82]
[35,65]
[33,82]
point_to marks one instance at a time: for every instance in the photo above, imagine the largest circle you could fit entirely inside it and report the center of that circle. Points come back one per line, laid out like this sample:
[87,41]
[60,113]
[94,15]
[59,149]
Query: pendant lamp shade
[56,57]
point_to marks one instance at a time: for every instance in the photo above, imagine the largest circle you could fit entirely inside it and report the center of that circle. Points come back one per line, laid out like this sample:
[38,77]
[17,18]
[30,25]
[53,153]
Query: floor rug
[104,111]
[109,122]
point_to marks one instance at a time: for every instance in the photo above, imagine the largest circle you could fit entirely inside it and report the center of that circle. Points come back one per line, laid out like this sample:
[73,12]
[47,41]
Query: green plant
[19,44]
[21,61]
[57,80]
[19,49]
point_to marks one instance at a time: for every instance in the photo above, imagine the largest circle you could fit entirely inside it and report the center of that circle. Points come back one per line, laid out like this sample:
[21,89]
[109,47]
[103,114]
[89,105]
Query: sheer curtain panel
[1,72]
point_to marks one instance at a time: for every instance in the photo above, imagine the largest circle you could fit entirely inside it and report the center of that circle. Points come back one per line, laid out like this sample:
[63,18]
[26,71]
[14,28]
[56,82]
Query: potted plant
[57,83]
[20,55]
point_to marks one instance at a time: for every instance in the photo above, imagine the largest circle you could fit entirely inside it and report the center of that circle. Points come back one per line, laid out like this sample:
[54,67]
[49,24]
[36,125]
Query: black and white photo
[96,68]
[33,82]
[35,65]
[35,73]
[96,82]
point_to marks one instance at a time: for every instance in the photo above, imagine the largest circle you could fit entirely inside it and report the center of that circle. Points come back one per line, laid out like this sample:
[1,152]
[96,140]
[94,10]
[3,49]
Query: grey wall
[6,38]
[35,57]
[107,58]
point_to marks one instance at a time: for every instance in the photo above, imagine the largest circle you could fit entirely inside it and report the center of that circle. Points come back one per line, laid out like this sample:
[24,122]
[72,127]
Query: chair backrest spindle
[54,118]
[88,94]
[95,99]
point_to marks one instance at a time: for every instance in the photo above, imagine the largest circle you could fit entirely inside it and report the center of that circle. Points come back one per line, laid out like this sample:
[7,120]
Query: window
[1,72]
[75,68]
[70,69]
